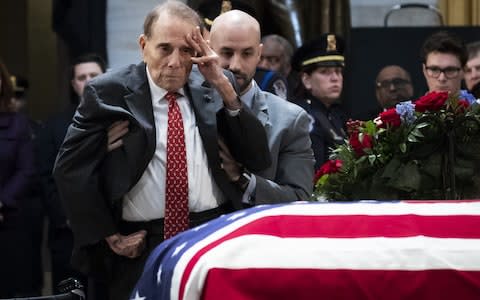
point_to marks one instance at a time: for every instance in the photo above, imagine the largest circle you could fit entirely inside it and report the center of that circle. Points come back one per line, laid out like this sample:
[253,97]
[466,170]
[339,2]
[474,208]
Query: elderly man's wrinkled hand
[207,60]
[130,245]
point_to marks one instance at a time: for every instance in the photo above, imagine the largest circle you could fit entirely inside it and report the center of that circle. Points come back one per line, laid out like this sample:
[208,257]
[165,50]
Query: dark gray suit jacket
[92,182]
[290,176]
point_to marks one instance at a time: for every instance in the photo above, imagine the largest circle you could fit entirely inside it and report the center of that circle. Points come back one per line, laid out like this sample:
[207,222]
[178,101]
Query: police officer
[320,64]
[271,81]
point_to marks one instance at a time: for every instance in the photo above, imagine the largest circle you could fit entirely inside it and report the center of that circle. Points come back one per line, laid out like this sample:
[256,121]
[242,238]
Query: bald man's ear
[260,47]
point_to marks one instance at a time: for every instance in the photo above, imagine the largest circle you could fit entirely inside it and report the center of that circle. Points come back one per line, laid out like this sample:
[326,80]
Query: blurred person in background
[392,85]
[17,167]
[33,209]
[60,236]
[273,70]
[472,69]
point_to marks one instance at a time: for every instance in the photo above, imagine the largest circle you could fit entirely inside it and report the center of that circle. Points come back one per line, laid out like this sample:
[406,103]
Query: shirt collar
[247,97]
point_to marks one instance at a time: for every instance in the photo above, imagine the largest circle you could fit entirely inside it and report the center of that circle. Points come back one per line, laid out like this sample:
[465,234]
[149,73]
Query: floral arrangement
[425,149]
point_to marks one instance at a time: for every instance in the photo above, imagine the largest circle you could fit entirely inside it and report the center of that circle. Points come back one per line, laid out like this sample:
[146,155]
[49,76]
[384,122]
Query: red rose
[329,167]
[390,117]
[463,104]
[359,146]
[432,101]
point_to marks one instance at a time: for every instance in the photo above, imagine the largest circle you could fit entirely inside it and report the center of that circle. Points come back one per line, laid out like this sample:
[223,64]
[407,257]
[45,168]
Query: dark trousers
[61,245]
[126,271]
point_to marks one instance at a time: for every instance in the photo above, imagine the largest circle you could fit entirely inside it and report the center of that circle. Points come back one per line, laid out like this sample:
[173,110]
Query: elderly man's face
[167,52]
[393,85]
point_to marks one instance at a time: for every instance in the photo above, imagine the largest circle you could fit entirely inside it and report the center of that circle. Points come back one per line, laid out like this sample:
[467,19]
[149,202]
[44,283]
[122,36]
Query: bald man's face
[239,49]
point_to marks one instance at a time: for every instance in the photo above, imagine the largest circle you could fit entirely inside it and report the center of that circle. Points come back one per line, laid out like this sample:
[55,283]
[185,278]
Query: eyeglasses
[398,83]
[449,72]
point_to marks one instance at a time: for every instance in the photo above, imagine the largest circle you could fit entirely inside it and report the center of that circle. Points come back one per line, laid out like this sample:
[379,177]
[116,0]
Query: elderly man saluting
[168,175]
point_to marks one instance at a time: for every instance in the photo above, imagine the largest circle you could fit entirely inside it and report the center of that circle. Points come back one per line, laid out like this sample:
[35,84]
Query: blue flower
[406,111]
[464,94]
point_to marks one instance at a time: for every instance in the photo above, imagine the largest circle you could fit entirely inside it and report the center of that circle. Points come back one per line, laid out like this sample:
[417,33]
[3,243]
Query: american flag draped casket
[356,250]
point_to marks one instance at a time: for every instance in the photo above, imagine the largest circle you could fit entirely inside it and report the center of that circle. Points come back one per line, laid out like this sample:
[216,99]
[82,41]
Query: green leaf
[412,139]
[323,179]
[417,133]
[422,125]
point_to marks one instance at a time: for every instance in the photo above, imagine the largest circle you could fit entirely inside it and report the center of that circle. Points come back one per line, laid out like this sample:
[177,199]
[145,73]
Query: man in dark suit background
[60,236]
[116,202]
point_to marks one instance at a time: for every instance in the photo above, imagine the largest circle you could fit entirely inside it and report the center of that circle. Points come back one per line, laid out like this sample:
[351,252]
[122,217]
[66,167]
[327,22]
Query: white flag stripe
[264,251]
[412,253]
[383,208]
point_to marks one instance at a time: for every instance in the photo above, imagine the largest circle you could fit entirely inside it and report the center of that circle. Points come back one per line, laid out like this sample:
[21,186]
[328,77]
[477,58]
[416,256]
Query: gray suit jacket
[92,182]
[290,176]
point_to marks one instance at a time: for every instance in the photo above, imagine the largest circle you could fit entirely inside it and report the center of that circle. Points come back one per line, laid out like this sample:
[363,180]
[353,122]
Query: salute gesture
[209,65]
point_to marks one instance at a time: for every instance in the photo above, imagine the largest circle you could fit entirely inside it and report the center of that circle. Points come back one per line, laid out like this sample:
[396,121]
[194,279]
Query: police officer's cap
[327,51]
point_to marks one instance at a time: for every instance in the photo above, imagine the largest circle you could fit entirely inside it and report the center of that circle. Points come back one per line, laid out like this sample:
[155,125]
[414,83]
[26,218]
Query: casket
[355,250]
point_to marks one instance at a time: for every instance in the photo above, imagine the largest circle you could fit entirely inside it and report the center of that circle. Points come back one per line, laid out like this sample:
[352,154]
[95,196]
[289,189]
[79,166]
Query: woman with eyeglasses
[444,56]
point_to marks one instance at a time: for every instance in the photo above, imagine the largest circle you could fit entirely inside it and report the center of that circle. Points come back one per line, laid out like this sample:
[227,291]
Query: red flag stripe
[355,226]
[309,284]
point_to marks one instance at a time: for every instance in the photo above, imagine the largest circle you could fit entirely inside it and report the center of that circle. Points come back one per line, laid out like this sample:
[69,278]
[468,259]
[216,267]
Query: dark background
[370,49]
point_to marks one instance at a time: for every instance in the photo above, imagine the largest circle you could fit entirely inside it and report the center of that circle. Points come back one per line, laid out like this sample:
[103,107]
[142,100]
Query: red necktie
[176,195]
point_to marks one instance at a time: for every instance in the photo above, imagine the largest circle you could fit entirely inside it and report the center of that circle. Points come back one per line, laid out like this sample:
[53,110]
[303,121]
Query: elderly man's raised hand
[208,63]
[207,60]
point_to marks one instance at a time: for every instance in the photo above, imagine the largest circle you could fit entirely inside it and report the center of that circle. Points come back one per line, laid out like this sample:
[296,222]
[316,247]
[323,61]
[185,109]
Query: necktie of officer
[176,195]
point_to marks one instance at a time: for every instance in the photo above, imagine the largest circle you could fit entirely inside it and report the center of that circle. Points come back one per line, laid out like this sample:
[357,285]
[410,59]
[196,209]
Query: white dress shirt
[146,200]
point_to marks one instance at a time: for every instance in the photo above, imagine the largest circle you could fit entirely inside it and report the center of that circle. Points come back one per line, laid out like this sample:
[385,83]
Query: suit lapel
[205,106]
[260,108]
[139,103]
